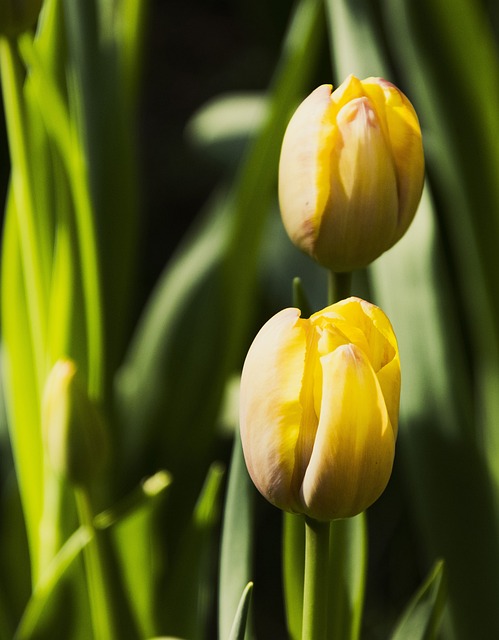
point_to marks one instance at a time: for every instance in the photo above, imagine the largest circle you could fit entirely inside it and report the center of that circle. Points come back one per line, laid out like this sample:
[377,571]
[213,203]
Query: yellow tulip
[351,172]
[319,409]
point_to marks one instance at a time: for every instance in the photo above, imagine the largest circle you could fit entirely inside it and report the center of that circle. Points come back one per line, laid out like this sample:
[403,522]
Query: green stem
[315,594]
[33,266]
[100,605]
[339,286]
[50,540]
[347,577]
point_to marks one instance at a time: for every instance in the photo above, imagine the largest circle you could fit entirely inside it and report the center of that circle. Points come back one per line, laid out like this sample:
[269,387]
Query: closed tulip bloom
[351,172]
[319,409]
[74,431]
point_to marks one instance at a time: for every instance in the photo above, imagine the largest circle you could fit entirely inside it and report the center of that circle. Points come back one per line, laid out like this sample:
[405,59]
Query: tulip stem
[339,286]
[98,590]
[315,591]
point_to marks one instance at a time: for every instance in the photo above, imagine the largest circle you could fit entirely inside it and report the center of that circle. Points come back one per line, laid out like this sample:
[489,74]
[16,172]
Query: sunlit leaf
[421,619]
[49,582]
[240,620]
[237,541]
[186,604]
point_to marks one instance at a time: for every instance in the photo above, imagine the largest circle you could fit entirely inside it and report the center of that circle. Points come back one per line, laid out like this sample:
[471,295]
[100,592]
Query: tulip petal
[389,379]
[363,189]
[304,168]
[353,453]
[379,339]
[270,408]
[349,89]
[402,124]
[382,347]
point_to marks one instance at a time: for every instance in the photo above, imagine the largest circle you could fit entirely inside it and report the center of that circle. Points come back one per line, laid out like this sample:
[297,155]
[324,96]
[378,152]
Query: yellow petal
[389,379]
[310,407]
[354,448]
[270,408]
[348,90]
[380,344]
[304,168]
[362,324]
[404,133]
[361,212]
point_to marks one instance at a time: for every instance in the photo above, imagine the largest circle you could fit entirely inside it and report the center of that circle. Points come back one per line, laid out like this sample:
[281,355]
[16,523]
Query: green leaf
[435,426]
[137,541]
[15,577]
[107,225]
[237,540]
[354,46]
[19,374]
[131,28]
[224,126]
[50,41]
[170,356]
[49,581]
[238,630]
[421,619]
[463,166]
[184,609]
[144,496]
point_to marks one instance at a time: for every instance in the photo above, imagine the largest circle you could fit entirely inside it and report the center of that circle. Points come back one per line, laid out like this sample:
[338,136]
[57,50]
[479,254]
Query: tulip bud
[319,409]
[17,16]
[351,172]
[75,436]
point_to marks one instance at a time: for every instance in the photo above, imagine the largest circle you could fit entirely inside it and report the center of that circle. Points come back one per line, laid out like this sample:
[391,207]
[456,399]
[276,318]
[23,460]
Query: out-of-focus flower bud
[319,409]
[351,172]
[17,16]
[74,432]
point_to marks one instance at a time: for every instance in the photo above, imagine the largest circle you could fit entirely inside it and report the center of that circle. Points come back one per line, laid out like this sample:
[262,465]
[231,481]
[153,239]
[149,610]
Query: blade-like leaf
[49,582]
[236,545]
[137,541]
[421,619]
[224,127]
[189,593]
[21,383]
[240,620]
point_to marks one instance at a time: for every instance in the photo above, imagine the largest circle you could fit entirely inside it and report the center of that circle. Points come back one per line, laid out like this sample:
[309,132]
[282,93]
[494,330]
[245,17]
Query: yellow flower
[17,16]
[319,409]
[351,172]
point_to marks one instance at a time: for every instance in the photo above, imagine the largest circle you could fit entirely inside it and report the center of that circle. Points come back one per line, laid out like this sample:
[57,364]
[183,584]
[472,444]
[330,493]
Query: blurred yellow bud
[17,16]
[319,409]
[351,172]
[74,432]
